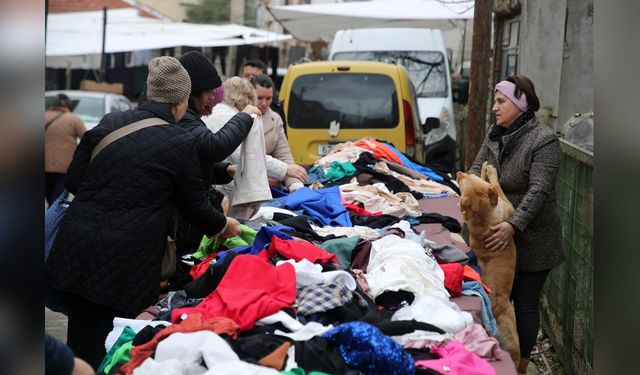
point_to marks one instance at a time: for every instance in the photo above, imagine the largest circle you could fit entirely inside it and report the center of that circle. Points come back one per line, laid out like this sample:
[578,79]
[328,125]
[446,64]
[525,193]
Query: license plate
[324,149]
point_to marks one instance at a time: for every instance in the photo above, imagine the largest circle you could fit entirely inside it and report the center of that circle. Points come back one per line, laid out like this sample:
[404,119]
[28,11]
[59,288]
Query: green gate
[567,301]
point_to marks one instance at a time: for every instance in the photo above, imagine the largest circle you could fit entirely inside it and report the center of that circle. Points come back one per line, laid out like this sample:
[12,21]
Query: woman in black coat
[207,91]
[527,157]
[108,252]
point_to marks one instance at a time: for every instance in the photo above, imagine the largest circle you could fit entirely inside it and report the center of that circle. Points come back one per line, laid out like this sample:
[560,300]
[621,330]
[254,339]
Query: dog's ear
[493,196]
[460,176]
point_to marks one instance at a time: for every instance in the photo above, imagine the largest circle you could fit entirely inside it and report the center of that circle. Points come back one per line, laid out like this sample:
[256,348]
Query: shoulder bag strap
[125,130]
[46,126]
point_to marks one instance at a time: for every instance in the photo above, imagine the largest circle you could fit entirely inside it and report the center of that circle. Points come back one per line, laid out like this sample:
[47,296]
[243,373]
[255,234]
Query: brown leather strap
[126,130]
[46,126]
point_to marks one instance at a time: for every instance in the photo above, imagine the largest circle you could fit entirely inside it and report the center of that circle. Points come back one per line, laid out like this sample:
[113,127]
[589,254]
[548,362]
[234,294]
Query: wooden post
[479,80]
[103,55]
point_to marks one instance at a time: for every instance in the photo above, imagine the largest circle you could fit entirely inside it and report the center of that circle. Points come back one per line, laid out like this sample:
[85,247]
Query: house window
[510,48]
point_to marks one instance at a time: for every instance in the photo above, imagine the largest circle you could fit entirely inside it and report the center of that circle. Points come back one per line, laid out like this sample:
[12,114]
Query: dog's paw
[483,171]
[491,173]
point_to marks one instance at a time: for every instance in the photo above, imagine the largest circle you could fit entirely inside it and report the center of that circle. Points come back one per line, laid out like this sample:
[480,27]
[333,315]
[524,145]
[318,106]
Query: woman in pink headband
[527,157]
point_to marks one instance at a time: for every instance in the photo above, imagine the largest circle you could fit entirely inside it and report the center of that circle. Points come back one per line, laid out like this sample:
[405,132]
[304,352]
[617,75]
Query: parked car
[330,102]
[422,52]
[91,106]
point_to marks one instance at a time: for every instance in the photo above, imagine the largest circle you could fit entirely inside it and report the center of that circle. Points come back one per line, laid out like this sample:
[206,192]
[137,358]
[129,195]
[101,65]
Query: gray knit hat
[168,81]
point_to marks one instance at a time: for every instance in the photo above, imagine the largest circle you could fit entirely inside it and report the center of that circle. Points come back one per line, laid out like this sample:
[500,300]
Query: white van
[422,52]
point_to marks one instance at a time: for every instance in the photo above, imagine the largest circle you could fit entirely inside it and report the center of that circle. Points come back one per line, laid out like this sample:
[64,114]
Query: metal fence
[567,301]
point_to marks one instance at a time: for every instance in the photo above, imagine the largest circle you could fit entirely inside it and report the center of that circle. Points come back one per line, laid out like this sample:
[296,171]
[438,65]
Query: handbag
[54,215]
[168,265]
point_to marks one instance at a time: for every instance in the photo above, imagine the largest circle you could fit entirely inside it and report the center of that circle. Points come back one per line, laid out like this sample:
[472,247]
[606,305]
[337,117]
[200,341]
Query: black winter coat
[215,147]
[111,242]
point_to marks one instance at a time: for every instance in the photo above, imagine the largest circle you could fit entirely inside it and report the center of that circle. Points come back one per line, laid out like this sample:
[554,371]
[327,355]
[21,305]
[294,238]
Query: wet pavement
[55,324]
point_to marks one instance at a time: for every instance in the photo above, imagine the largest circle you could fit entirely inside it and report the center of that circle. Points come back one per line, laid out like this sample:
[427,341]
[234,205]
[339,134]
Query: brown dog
[484,204]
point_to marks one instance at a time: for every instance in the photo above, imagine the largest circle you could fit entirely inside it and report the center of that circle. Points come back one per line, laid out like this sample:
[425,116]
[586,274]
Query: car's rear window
[89,109]
[355,100]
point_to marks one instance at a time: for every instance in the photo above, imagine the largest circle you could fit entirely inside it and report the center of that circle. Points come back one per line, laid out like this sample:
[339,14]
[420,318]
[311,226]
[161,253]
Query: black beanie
[204,75]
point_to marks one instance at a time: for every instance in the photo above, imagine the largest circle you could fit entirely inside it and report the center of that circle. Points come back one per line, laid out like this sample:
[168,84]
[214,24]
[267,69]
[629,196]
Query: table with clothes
[362,271]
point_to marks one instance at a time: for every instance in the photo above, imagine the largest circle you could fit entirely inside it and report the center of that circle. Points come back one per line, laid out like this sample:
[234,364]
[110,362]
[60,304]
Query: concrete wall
[576,85]
[541,46]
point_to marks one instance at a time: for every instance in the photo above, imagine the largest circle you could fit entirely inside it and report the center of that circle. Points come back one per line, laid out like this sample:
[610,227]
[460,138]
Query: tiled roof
[64,6]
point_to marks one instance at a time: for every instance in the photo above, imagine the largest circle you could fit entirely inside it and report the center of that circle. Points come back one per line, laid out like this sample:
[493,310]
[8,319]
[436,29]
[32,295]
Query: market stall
[361,271]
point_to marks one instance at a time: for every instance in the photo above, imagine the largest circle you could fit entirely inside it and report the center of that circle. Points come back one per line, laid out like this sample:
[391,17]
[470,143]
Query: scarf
[498,132]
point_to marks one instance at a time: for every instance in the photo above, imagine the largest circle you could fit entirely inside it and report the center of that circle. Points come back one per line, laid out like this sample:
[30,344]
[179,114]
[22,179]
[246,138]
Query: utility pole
[464,39]
[480,72]
[46,17]
[103,58]
[236,15]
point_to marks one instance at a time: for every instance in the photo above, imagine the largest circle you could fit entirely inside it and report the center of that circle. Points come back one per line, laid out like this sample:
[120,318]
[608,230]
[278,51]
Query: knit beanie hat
[204,75]
[168,81]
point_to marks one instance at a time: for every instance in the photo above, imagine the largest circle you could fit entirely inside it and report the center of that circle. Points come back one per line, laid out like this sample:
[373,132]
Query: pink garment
[456,360]
[475,339]
[218,95]
[297,250]
[250,290]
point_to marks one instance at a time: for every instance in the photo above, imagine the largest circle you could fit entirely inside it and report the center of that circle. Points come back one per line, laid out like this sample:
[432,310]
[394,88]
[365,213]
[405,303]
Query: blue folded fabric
[263,238]
[316,173]
[323,204]
[277,193]
[474,288]
[416,167]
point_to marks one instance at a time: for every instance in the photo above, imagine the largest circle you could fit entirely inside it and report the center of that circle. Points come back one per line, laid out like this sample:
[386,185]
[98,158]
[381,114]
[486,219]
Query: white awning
[80,33]
[320,21]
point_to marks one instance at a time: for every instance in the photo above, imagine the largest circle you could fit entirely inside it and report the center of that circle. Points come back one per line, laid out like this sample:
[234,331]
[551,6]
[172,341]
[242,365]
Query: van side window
[355,100]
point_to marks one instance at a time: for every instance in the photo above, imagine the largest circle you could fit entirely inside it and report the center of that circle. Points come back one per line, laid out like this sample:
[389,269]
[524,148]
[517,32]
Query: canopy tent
[312,22]
[321,21]
[73,37]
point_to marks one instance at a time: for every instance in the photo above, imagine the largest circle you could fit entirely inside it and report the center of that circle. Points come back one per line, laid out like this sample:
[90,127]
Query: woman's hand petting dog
[503,232]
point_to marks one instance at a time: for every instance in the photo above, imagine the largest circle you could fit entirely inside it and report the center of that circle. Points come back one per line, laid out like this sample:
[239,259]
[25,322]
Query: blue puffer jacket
[111,241]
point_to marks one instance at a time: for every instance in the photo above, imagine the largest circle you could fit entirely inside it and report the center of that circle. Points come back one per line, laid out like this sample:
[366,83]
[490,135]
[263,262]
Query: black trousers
[525,294]
[53,186]
[88,327]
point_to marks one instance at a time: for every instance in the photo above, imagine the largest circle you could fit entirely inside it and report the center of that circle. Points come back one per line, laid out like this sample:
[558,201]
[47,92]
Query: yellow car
[330,102]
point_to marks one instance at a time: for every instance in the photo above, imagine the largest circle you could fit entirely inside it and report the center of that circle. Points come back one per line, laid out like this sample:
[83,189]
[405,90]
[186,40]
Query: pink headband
[508,89]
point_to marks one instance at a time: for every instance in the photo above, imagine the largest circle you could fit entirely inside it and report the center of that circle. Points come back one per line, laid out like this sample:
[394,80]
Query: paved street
[55,324]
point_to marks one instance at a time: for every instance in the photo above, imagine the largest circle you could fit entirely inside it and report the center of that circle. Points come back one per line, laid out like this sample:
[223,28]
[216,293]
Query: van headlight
[436,135]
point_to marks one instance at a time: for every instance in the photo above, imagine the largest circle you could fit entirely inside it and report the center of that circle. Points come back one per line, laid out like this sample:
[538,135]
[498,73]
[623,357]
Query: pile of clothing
[332,278]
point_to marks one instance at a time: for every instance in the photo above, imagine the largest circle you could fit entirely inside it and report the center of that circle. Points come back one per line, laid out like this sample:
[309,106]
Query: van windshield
[426,68]
[355,100]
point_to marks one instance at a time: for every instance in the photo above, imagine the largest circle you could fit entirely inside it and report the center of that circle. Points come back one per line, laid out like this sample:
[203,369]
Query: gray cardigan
[528,169]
